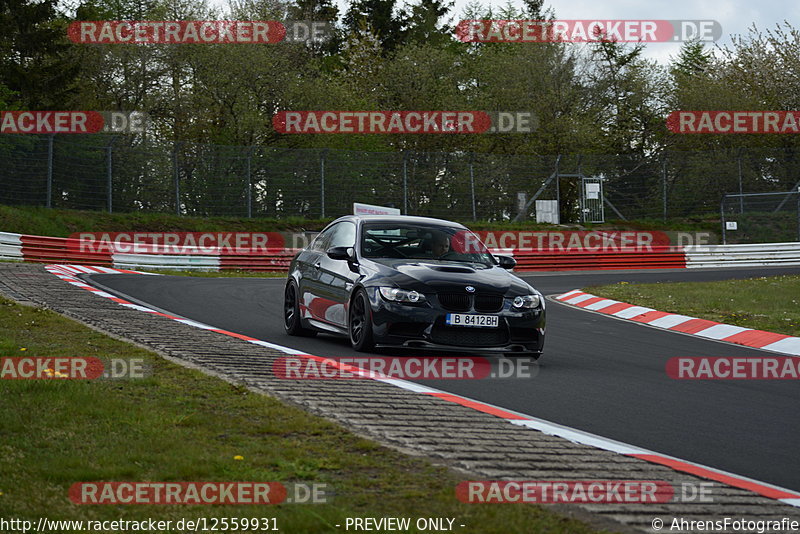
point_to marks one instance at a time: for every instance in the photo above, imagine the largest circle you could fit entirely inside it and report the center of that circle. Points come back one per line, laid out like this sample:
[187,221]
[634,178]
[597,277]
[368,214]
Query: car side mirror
[506,262]
[341,253]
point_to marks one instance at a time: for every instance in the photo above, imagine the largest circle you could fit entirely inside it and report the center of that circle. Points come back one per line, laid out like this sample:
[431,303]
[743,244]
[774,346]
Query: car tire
[291,313]
[359,322]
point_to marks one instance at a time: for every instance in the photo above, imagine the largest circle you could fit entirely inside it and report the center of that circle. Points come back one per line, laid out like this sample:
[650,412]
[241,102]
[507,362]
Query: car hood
[433,276]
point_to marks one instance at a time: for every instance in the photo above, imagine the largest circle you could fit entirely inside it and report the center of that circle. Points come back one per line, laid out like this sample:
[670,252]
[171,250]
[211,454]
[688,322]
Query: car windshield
[411,241]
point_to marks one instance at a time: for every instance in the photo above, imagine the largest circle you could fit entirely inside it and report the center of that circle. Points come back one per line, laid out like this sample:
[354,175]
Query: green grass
[764,303]
[62,223]
[181,425]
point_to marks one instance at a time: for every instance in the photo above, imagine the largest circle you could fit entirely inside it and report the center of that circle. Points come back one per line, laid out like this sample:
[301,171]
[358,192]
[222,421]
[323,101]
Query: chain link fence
[130,173]
[761,217]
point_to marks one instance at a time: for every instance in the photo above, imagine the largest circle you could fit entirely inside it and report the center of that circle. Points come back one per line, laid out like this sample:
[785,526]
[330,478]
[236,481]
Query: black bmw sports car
[411,282]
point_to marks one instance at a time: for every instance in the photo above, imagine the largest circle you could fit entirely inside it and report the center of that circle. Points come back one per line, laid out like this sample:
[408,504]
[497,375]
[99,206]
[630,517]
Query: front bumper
[423,326]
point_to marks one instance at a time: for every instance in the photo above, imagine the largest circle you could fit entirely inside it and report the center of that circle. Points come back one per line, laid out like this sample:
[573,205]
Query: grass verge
[181,425]
[765,303]
[62,223]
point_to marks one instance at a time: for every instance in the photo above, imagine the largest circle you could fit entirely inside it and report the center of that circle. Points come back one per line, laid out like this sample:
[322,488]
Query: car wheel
[291,313]
[360,322]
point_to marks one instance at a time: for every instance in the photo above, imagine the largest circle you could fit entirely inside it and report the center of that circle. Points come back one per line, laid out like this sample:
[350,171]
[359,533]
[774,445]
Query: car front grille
[458,302]
[463,302]
[469,337]
[488,303]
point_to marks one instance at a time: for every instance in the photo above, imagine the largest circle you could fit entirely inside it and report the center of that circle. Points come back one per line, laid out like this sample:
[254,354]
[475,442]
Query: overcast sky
[735,16]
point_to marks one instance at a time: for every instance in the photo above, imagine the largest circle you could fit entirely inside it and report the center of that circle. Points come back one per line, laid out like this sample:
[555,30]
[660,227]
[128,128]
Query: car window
[343,235]
[322,238]
[435,243]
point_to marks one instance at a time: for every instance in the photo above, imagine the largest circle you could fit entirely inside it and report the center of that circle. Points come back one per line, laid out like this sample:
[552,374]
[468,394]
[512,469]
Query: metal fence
[129,173]
[761,217]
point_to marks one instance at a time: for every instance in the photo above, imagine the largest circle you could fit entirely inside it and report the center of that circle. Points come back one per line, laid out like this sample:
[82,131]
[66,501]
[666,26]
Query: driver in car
[440,244]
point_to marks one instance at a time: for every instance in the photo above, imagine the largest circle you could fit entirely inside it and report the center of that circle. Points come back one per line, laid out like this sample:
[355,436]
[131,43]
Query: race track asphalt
[598,374]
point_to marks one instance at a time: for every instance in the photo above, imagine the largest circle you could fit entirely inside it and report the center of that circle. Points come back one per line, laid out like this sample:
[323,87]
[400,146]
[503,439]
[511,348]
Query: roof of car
[400,219]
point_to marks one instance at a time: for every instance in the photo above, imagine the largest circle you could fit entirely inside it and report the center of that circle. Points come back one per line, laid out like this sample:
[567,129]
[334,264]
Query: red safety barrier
[40,249]
[568,260]
[59,249]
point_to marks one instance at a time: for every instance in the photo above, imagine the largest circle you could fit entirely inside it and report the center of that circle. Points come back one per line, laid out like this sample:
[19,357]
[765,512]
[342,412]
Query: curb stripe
[579,298]
[590,301]
[614,308]
[757,339]
[632,311]
[605,303]
[649,316]
[721,331]
[713,474]
[783,495]
[476,405]
[694,326]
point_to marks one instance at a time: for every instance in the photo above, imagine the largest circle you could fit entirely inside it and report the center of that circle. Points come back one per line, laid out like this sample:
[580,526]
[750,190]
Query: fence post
[322,182]
[741,198]
[722,218]
[49,200]
[558,188]
[405,182]
[176,175]
[664,188]
[249,185]
[109,182]
[798,212]
[472,186]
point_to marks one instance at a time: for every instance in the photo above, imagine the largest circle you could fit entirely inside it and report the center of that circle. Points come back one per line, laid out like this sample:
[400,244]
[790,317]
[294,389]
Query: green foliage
[36,60]
[600,98]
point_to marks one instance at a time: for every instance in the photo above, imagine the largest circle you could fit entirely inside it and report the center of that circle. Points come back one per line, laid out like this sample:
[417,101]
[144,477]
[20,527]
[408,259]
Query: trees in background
[595,99]
[599,98]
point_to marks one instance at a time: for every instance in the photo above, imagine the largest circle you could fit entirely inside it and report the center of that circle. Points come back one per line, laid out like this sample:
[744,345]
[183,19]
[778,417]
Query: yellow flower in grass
[238,457]
[23,348]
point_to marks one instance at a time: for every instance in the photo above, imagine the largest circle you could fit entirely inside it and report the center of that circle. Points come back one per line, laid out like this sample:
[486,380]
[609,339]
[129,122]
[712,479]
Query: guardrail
[38,249]
[20,247]
[743,255]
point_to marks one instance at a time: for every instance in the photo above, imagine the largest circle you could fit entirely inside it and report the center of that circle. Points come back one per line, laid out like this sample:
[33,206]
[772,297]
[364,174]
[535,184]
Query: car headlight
[527,302]
[394,294]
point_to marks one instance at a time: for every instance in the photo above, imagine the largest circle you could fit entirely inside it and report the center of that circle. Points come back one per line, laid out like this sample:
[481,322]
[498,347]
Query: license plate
[467,319]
